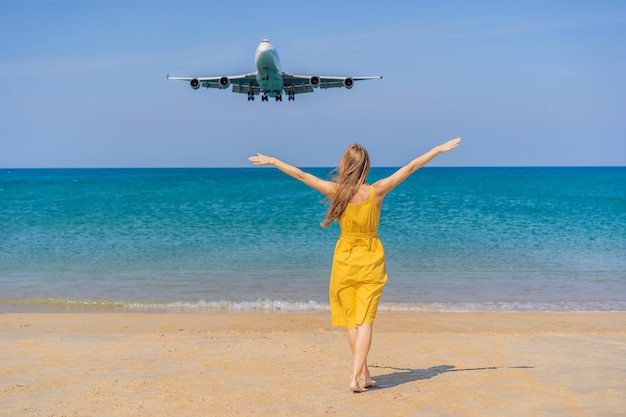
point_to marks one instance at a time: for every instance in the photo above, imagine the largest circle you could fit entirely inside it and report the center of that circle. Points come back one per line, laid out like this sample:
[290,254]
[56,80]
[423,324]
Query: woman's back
[361,216]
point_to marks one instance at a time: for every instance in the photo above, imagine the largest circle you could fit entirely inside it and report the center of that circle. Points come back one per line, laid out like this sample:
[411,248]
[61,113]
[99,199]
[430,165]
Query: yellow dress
[358,273]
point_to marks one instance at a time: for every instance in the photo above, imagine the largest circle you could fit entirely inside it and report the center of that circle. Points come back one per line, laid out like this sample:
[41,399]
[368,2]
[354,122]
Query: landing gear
[265,97]
[292,96]
[250,96]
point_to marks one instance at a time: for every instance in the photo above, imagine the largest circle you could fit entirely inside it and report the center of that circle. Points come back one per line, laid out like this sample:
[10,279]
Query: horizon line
[308,167]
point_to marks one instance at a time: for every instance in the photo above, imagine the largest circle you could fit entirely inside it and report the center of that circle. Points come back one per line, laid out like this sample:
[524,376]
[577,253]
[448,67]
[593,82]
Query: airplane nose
[265,45]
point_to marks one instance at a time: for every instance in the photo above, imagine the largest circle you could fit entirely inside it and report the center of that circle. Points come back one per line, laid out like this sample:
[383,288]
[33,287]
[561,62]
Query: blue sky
[534,83]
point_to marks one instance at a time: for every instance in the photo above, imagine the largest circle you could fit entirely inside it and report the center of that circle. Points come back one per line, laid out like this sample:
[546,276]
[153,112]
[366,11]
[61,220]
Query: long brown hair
[349,176]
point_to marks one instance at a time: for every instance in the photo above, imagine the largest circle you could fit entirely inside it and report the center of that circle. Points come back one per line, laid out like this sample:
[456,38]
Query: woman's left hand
[261,159]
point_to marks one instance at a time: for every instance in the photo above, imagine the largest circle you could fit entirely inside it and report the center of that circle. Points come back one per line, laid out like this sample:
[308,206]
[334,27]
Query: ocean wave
[513,306]
[284,306]
[235,306]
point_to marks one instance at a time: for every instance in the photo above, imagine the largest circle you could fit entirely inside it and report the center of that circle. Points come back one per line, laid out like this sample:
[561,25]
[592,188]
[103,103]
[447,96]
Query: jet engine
[315,81]
[348,83]
[224,82]
[195,83]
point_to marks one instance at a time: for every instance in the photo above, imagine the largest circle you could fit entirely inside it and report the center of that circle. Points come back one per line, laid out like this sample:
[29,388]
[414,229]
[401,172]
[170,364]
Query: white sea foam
[278,306]
[284,306]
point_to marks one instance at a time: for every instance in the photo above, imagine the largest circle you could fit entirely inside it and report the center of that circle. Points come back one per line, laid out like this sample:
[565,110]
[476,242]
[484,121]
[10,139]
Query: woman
[358,273]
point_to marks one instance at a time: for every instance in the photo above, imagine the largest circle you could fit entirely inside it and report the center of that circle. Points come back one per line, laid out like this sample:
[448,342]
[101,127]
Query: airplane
[270,80]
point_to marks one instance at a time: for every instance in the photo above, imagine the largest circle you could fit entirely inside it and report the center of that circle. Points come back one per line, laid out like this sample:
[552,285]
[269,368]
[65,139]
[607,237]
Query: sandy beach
[464,364]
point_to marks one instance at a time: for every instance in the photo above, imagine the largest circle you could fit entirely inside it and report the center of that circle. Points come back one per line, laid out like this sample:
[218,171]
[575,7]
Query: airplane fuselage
[269,74]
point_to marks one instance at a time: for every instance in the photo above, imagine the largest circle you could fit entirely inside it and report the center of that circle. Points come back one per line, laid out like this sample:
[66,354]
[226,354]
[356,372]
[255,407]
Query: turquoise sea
[249,239]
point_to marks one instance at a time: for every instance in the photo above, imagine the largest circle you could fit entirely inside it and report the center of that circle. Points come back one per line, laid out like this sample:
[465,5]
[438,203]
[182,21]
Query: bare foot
[354,387]
[369,383]
[367,379]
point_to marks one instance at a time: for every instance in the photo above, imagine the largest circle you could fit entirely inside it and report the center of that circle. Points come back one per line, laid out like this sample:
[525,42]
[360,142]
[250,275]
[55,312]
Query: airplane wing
[292,83]
[244,83]
[298,84]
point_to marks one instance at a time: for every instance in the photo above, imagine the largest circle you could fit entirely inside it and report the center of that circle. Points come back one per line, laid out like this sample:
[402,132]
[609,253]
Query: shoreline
[296,364]
[266,306]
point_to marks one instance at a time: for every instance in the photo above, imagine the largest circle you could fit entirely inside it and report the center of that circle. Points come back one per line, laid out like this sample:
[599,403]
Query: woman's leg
[365,374]
[360,341]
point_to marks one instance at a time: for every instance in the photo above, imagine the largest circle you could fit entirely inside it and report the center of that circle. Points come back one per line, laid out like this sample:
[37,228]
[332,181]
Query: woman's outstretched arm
[324,187]
[383,186]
